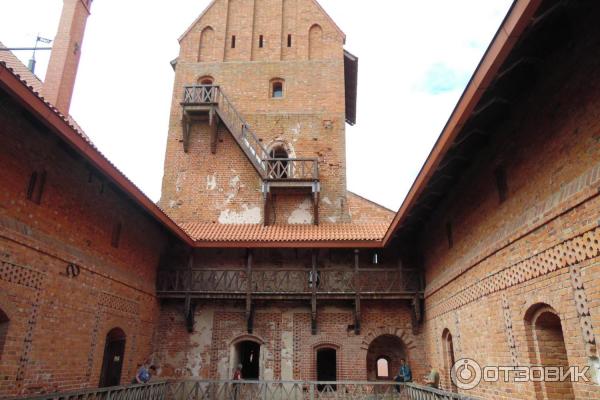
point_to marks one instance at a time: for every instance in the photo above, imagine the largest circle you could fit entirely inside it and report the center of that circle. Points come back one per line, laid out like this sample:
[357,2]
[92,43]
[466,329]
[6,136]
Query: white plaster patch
[302,214]
[211,182]
[326,200]
[248,215]
[296,131]
[180,181]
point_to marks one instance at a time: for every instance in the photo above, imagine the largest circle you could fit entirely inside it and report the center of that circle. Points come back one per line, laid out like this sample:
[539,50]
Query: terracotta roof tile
[285,233]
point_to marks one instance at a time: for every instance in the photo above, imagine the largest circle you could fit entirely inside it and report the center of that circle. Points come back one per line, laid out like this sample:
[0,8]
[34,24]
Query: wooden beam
[186,125]
[316,207]
[249,313]
[313,301]
[214,128]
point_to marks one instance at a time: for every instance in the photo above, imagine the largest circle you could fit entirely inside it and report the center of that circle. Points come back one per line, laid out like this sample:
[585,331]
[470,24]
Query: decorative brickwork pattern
[531,216]
[562,255]
[118,303]
[21,275]
[508,328]
[581,302]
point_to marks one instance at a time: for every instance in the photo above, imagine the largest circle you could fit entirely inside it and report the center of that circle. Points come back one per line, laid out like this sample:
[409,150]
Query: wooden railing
[269,168]
[299,281]
[292,168]
[191,389]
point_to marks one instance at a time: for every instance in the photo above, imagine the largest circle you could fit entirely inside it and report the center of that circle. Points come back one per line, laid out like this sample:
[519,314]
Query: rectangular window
[233,41]
[261,41]
[289,43]
[501,183]
[35,189]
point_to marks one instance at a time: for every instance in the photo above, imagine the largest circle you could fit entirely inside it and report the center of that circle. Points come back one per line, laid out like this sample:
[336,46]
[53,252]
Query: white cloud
[125,82]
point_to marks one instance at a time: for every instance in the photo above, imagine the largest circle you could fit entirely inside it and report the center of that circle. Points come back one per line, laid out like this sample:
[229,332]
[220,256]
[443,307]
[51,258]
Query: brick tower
[263,89]
[64,60]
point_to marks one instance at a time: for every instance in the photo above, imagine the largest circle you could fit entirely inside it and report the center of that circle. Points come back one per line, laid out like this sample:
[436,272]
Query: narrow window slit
[233,41]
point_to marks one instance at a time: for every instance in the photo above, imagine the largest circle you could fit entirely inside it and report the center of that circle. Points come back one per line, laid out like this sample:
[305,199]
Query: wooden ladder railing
[268,168]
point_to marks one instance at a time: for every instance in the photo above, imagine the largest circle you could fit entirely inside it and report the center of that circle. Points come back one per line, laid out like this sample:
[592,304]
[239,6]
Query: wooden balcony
[288,175]
[212,283]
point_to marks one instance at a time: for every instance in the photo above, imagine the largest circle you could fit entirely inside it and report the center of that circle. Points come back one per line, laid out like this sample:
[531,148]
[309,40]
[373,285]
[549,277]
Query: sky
[415,59]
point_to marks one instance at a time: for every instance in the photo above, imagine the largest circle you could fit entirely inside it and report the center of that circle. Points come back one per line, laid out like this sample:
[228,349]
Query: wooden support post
[214,126]
[249,313]
[357,291]
[313,302]
[189,308]
[267,207]
[186,125]
[316,207]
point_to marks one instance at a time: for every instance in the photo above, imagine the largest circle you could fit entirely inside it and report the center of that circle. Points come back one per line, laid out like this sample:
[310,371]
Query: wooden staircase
[209,103]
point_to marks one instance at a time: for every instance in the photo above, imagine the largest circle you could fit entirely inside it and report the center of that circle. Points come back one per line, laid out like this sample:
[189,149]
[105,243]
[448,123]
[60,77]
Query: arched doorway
[326,367]
[279,168]
[247,353]
[547,348]
[112,363]
[449,358]
[4,321]
[383,357]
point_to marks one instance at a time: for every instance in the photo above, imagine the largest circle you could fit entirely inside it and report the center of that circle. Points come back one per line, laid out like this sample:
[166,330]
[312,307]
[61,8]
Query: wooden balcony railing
[191,389]
[339,282]
[289,169]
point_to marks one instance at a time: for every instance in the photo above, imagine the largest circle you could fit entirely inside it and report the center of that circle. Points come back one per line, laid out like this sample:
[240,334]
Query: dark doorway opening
[326,368]
[249,356]
[112,364]
[279,164]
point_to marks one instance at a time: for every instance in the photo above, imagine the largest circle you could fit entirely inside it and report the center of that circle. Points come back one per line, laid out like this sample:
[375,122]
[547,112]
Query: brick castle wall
[539,246]
[57,322]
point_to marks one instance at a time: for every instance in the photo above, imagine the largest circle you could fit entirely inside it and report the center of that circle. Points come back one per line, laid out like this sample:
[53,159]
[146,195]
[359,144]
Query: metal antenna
[31,64]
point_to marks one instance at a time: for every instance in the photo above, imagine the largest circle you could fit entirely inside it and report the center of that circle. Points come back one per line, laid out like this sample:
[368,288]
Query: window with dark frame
[35,188]
[277,89]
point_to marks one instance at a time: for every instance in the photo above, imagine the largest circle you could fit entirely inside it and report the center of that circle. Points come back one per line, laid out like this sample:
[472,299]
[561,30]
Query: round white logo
[466,374]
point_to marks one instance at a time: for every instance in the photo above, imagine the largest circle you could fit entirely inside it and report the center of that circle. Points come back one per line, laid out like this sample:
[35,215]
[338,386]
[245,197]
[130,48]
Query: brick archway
[402,334]
[391,343]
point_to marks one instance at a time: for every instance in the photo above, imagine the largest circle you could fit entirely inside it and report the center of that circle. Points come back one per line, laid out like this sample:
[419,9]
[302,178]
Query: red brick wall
[199,186]
[58,323]
[510,256]
[284,331]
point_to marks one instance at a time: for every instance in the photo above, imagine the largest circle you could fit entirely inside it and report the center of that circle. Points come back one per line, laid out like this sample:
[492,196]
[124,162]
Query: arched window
[206,80]
[207,45]
[112,363]
[449,358]
[383,368]
[315,42]
[4,321]
[277,88]
[547,348]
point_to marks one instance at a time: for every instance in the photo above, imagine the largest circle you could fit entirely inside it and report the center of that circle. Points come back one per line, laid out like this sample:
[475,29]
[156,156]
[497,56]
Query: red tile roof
[285,233]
